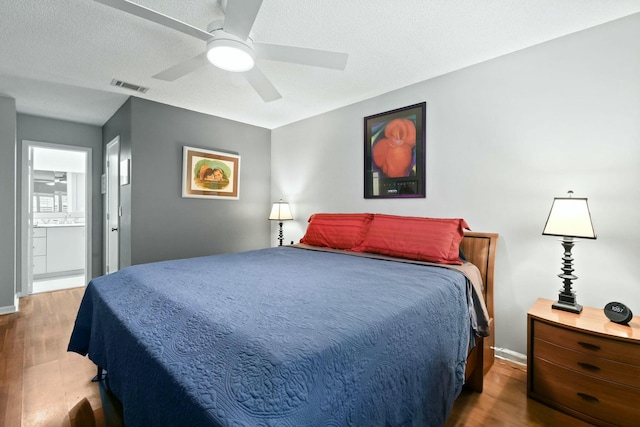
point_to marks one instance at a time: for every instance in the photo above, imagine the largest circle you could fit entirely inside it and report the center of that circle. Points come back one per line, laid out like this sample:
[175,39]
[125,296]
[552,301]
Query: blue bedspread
[278,337]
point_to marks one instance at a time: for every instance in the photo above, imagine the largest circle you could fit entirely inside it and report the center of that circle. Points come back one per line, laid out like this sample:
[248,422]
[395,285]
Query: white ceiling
[58,57]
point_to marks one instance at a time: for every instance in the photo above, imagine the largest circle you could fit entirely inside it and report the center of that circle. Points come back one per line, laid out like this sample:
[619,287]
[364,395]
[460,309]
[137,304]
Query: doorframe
[107,194]
[26,285]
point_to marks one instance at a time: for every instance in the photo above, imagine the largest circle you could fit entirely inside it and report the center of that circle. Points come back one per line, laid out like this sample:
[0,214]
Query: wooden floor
[40,381]
[504,402]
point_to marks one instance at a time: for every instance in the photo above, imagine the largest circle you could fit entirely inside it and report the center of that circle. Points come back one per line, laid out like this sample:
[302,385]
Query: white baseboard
[511,356]
[10,308]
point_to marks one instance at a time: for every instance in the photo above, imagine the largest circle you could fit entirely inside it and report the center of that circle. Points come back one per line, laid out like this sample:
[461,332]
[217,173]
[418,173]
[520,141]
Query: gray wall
[159,224]
[40,129]
[8,301]
[503,139]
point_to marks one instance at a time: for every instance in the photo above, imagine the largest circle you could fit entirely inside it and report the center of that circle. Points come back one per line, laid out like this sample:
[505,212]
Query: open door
[112,223]
[56,216]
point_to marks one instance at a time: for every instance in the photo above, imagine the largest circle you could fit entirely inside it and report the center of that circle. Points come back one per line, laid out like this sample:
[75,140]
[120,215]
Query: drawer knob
[588,366]
[588,397]
[589,346]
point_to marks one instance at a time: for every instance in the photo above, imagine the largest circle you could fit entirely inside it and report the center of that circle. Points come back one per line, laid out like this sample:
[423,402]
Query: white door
[113,205]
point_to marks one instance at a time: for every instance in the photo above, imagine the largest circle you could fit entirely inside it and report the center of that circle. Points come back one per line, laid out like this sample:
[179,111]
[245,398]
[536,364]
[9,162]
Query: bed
[295,335]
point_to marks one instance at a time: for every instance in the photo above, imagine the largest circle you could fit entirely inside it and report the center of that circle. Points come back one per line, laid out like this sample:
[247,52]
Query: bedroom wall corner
[160,224]
[503,138]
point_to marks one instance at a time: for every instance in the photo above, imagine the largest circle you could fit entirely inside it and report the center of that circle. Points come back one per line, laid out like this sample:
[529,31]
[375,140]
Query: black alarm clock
[618,312]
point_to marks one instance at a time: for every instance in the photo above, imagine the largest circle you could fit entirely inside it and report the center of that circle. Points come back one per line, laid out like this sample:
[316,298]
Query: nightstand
[584,364]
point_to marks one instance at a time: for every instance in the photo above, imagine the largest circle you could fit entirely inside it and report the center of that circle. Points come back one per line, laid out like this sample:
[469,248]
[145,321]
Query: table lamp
[569,218]
[280,211]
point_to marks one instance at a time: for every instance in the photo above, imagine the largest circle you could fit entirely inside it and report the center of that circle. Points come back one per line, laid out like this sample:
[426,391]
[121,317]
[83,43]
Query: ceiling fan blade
[157,17]
[301,55]
[262,85]
[183,68]
[240,16]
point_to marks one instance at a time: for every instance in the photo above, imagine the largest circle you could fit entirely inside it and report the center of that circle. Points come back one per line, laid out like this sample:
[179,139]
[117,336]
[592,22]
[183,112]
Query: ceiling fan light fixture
[231,55]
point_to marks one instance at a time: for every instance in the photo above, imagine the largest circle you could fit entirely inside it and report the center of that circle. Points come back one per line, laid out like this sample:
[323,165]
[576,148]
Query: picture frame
[395,153]
[209,174]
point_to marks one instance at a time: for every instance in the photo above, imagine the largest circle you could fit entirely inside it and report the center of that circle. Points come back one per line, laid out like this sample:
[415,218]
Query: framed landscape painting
[395,153]
[210,174]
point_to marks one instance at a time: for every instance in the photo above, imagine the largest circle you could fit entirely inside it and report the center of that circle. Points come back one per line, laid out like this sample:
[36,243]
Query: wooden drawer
[618,351]
[602,400]
[588,364]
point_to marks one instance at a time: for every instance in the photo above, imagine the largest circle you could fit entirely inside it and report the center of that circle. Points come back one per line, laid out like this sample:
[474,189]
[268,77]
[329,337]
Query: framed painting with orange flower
[395,153]
[210,174]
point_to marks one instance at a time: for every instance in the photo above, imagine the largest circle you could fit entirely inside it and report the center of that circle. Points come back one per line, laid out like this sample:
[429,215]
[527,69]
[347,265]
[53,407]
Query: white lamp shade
[569,217]
[280,211]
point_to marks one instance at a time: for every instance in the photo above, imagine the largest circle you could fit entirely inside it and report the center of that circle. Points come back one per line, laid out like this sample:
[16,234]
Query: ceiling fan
[230,46]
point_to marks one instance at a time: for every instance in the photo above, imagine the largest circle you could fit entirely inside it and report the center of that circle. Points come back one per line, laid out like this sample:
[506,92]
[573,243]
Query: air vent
[129,86]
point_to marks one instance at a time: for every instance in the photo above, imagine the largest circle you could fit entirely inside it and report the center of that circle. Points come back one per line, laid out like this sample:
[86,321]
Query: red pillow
[425,239]
[338,231]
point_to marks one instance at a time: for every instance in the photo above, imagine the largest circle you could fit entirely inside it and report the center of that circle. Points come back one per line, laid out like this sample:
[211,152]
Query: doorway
[56,213]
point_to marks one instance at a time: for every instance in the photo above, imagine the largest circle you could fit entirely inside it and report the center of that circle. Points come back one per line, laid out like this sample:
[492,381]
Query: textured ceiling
[57,58]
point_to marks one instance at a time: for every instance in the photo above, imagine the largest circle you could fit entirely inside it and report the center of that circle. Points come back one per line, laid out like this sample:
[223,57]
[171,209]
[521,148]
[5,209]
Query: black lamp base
[567,298]
[280,235]
[570,307]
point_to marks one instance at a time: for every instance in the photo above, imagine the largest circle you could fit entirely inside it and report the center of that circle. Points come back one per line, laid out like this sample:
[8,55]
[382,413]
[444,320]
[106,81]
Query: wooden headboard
[480,249]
